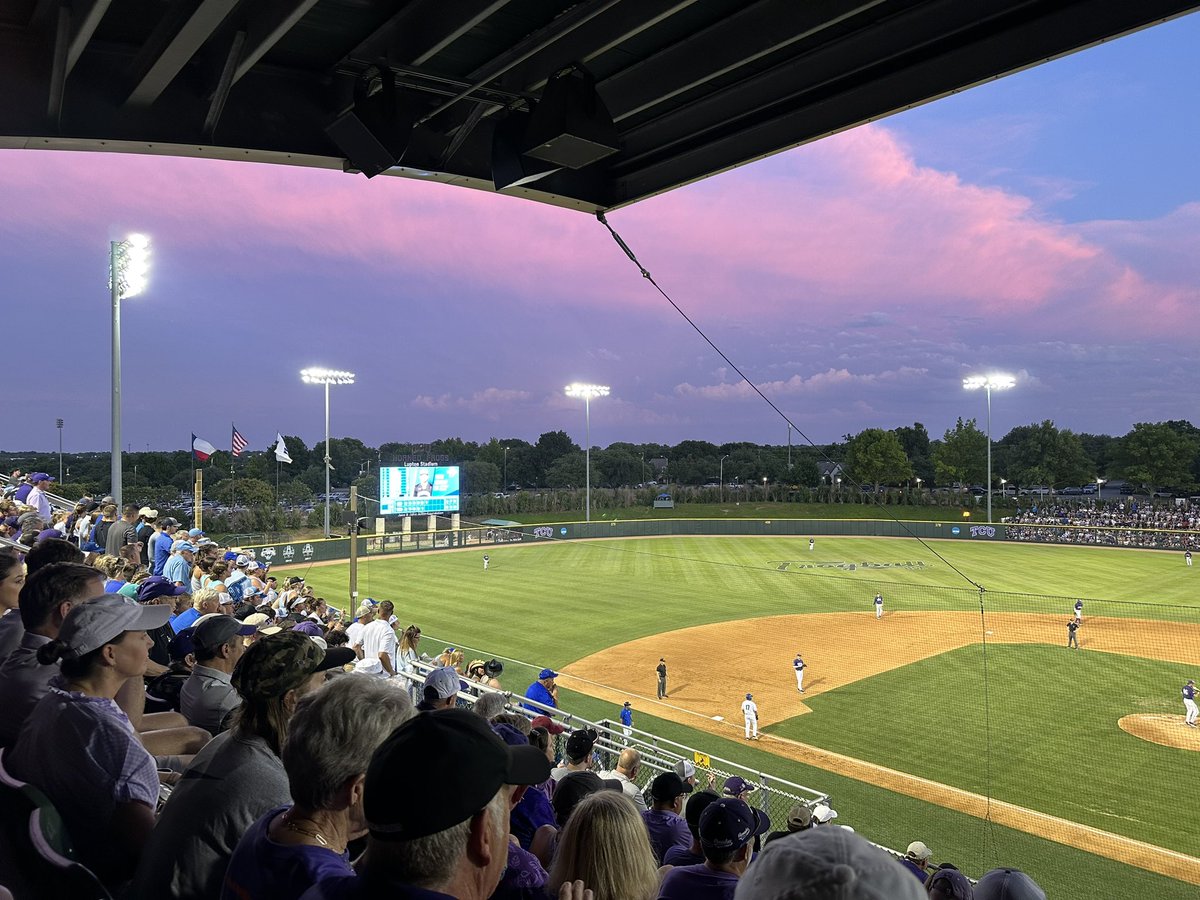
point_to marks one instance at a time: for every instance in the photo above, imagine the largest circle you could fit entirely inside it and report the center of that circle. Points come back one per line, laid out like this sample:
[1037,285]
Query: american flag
[239,442]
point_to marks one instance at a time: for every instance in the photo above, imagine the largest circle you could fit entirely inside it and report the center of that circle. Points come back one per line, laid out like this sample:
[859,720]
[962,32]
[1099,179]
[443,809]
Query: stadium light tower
[587,392]
[989,383]
[128,271]
[326,377]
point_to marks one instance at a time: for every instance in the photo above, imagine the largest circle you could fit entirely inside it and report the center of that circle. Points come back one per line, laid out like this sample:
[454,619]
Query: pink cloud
[838,229]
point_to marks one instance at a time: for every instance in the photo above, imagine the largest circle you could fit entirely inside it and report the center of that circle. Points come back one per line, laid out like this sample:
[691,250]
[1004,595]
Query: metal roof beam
[182,32]
[266,27]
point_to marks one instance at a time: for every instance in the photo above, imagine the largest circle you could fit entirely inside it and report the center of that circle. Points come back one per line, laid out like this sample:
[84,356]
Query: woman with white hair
[330,740]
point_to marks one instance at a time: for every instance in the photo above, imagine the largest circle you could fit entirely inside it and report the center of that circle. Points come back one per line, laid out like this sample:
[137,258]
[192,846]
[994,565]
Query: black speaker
[374,133]
[571,127]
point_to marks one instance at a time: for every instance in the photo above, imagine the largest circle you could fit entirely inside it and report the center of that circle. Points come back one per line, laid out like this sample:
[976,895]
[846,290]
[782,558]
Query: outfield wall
[336,549]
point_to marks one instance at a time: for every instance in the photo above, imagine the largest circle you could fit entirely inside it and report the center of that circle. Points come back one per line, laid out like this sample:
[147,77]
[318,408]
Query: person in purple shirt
[664,824]
[727,830]
[691,854]
[331,737]
[464,779]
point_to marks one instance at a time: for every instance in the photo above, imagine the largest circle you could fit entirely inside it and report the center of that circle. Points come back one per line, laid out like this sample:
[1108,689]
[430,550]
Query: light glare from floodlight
[586,391]
[131,259]
[994,382]
[318,375]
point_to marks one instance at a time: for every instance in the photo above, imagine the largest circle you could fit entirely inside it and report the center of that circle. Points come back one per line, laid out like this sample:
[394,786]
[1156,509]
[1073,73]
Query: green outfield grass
[1054,741]
[1055,745]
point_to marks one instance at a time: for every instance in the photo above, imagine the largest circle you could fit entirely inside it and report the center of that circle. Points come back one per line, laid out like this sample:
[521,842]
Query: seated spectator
[693,854]
[604,844]
[573,788]
[165,688]
[440,690]
[80,749]
[949,884]
[1008,884]
[204,602]
[46,598]
[799,819]
[916,860]
[543,691]
[238,776]
[824,862]
[12,579]
[578,754]
[629,766]
[727,831]
[330,740]
[423,839]
[53,550]
[488,705]
[664,822]
[208,699]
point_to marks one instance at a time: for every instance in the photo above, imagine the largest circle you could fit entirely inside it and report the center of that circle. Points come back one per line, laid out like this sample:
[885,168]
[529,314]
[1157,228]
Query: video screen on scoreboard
[418,490]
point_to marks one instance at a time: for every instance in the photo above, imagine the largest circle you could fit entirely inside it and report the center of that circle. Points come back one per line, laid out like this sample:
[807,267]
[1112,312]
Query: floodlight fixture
[587,392]
[996,381]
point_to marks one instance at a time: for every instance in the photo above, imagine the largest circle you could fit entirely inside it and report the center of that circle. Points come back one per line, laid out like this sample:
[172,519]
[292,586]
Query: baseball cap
[685,769]
[95,622]
[1008,884]
[799,817]
[918,850]
[737,785]
[183,644]
[951,883]
[573,787]
[148,513]
[279,663]
[728,823]
[580,743]
[823,814]
[696,805]
[548,723]
[547,673]
[450,746]
[156,586]
[443,680]
[668,786]
[212,633]
[829,862]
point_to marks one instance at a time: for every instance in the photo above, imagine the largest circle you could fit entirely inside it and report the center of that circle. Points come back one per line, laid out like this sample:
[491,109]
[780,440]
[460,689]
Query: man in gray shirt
[207,697]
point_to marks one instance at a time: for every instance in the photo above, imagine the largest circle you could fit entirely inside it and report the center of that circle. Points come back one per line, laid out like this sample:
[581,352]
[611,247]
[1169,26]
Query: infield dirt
[842,648]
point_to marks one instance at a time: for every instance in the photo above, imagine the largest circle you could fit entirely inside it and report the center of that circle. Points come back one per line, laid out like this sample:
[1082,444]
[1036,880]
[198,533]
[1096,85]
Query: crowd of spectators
[1123,523]
[207,732]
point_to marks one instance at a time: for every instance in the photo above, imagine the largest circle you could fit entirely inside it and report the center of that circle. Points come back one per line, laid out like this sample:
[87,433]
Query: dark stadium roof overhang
[457,90]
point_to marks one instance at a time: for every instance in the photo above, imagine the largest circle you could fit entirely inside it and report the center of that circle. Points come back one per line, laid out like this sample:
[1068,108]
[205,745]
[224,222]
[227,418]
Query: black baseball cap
[668,786]
[446,747]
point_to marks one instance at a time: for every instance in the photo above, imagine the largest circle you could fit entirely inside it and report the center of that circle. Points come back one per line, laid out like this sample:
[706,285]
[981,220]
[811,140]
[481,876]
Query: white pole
[326,459]
[115,461]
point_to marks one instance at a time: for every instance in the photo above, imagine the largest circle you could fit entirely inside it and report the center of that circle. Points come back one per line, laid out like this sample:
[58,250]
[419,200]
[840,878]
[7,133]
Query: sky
[1045,225]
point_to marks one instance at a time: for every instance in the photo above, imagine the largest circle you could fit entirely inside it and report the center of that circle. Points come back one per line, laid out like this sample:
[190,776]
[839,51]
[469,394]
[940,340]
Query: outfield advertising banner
[418,490]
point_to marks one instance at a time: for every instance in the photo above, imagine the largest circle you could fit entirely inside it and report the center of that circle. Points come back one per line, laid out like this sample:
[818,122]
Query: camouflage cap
[276,664]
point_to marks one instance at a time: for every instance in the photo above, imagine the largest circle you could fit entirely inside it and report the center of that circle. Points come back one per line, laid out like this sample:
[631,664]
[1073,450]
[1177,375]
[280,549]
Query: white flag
[281,453]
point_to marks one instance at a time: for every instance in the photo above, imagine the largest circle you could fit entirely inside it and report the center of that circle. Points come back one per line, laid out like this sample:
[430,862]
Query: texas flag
[202,449]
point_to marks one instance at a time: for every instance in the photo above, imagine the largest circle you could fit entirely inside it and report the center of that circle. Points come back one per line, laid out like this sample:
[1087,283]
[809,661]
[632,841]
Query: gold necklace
[292,826]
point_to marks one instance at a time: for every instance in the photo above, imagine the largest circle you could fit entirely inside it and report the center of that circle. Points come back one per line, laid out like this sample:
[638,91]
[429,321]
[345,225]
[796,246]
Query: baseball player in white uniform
[879,606]
[1189,703]
[798,667]
[750,711]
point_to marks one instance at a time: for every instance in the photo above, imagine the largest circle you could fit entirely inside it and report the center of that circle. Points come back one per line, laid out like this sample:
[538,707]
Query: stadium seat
[39,861]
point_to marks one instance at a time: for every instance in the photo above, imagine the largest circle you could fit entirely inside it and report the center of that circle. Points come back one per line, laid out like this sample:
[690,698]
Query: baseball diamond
[898,707]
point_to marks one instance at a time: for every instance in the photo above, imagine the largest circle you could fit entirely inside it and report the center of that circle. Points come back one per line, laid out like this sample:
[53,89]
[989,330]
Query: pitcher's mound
[1170,731]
